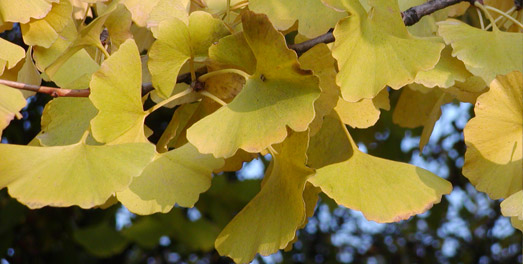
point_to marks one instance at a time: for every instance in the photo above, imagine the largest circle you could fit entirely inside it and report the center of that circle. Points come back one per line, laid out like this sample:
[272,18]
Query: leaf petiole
[487,13]
[213,97]
[168,100]
[515,21]
[208,75]
[509,12]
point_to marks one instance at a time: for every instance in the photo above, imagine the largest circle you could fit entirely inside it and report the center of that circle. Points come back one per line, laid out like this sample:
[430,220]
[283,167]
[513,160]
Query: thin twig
[53,91]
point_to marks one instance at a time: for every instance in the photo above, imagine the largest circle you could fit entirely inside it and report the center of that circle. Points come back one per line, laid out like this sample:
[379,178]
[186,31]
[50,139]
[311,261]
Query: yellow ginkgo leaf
[44,32]
[513,207]
[65,120]
[11,54]
[410,113]
[485,53]
[374,49]
[21,11]
[383,190]
[118,26]
[233,51]
[116,91]
[445,73]
[76,174]
[276,212]
[283,14]
[493,160]
[174,177]
[11,102]
[319,59]
[168,9]
[177,43]
[365,113]
[140,10]
[277,95]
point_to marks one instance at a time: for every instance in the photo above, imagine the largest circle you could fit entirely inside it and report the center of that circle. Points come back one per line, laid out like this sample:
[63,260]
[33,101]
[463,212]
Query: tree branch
[410,17]
[53,91]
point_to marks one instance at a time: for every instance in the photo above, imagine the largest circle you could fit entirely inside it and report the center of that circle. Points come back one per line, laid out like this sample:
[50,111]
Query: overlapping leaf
[513,207]
[116,92]
[493,160]
[11,102]
[44,32]
[383,190]
[10,56]
[277,95]
[374,49]
[177,43]
[270,220]
[21,11]
[76,174]
[365,113]
[283,14]
[499,52]
[174,177]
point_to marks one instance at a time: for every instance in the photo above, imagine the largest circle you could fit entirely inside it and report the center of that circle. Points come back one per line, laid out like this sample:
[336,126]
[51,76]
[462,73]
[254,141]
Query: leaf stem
[168,100]
[500,17]
[482,7]
[213,97]
[515,21]
[208,75]
[191,68]
[481,19]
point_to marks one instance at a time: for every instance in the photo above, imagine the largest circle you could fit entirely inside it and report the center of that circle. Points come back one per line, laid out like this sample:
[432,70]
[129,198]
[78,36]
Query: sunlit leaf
[234,51]
[76,174]
[493,161]
[11,102]
[277,95]
[11,54]
[44,32]
[21,11]
[499,52]
[177,43]
[174,177]
[276,212]
[445,73]
[383,190]
[374,50]
[168,9]
[365,113]
[118,26]
[116,92]
[283,14]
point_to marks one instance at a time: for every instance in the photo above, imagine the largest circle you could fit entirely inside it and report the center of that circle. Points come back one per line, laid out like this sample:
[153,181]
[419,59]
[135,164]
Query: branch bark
[53,91]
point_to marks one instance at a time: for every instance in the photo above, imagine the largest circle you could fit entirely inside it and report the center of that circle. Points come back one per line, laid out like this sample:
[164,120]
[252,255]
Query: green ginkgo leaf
[276,212]
[283,14]
[11,54]
[177,43]
[277,95]
[498,53]
[493,160]
[21,11]
[116,92]
[383,190]
[233,51]
[101,240]
[44,32]
[174,177]
[11,102]
[374,49]
[76,174]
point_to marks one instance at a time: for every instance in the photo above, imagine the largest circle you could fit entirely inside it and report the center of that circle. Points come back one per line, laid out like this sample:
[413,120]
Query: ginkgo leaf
[445,73]
[44,32]
[277,95]
[101,240]
[168,9]
[46,56]
[513,207]
[21,11]
[276,212]
[375,49]
[118,26]
[411,114]
[362,114]
[320,61]
[174,177]
[116,92]
[76,174]
[177,43]
[65,120]
[87,36]
[283,14]
[383,190]
[11,102]
[233,51]
[11,54]
[499,52]
[493,160]
[140,10]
